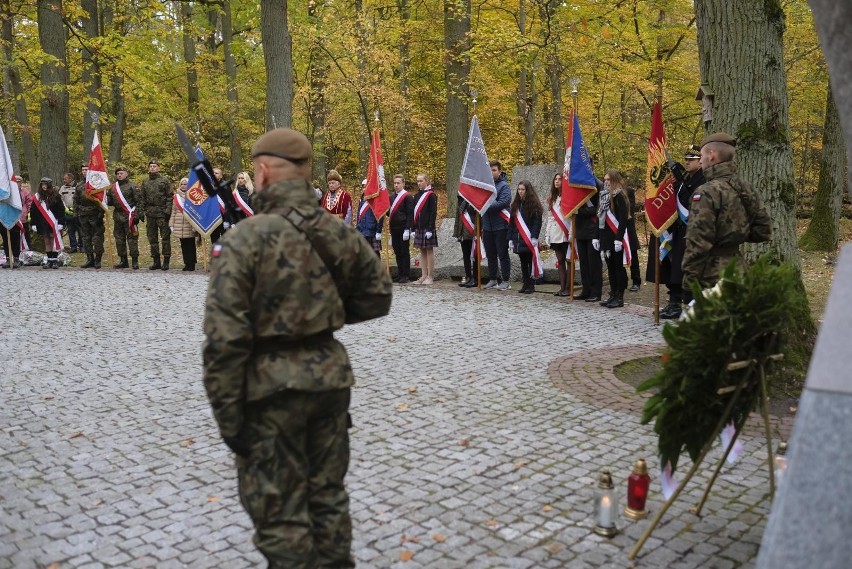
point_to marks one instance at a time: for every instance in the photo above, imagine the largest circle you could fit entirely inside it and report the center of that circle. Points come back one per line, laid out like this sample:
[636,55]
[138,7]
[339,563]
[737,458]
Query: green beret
[284,143]
[720,137]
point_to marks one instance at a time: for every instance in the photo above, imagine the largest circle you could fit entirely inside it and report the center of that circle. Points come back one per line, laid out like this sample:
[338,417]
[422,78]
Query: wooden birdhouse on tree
[705,95]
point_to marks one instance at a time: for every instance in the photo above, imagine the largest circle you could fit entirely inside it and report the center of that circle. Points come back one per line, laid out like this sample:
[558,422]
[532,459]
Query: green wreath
[748,315]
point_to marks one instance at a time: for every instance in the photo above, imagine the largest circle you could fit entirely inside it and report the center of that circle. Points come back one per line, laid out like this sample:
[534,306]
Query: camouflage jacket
[157,196]
[84,206]
[133,196]
[724,213]
[272,302]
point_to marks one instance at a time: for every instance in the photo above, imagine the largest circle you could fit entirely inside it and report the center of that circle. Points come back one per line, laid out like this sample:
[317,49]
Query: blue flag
[578,180]
[202,211]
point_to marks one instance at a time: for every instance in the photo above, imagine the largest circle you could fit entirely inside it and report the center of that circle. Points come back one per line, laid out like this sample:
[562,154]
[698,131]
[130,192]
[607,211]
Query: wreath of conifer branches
[748,315]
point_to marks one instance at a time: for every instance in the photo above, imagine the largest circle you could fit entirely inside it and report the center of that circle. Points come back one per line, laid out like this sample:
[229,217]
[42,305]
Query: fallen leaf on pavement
[187,442]
[412,389]
[97,503]
[409,538]
[406,555]
[555,547]
[46,397]
[402,407]
[548,508]
[492,523]
[439,537]
[465,442]
[521,462]
[75,435]
[54,565]
[213,498]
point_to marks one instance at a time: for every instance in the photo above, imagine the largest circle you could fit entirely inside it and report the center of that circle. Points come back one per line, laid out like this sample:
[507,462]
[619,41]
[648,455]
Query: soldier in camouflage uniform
[91,216]
[279,383]
[157,196]
[124,236]
[725,212]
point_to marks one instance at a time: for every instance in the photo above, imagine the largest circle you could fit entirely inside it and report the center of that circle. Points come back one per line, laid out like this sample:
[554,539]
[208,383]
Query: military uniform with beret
[157,200]
[278,381]
[125,238]
[92,227]
[725,212]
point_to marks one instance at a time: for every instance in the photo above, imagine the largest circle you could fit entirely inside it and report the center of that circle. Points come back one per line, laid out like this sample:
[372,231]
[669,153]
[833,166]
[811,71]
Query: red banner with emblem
[660,196]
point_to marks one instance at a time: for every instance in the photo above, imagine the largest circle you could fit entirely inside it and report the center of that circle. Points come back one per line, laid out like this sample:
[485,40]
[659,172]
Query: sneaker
[490,284]
[635,287]
[428,281]
[503,286]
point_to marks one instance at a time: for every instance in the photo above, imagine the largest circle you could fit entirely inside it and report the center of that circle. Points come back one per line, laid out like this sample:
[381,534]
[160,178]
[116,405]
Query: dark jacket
[131,194]
[533,224]
[460,232]
[491,219]
[367,225]
[620,207]
[404,216]
[55,206]
[587,219]
[428,215]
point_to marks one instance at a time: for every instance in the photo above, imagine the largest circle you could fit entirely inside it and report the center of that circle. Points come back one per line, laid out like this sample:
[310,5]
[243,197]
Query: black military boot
[608,300]
[122,263]
[671,311]
[156,264]
[90,262]
[618,301]
[97,261]
[166,263]
[135,263]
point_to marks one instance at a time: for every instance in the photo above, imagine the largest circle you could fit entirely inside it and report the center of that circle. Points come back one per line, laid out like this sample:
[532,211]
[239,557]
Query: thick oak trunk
[824,229]
[278,60]
[231,76]
[19,122]
[316,99]
[189,61]
[742,60]
[456,74]
[403,137]
[91,77]
[53,126]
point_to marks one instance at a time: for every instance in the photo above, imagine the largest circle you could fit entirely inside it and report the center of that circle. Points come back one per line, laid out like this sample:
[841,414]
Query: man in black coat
[687,178]
[401,214]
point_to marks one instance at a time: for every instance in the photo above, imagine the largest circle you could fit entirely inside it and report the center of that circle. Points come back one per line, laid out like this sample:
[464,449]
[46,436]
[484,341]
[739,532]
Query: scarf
[603,206]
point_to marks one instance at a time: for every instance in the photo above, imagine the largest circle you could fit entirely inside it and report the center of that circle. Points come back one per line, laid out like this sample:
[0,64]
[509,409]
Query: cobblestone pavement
[465,453]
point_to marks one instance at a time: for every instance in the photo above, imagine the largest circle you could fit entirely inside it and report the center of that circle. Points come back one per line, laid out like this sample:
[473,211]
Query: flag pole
[575,82]
[478,254]
[110,239]
[385,237]
[204,251]
[11,257]
[656,282]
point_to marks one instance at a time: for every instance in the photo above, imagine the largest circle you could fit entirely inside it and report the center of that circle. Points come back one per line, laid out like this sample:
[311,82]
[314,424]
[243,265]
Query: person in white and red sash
[244,189]
[611,235]
[524,230]
[367,225]
[336,200]
[46,213]
[464,230]
[401,214]
[181,228]
[15,240]
[495,227]
[556,236]
[125,200]
[425,234]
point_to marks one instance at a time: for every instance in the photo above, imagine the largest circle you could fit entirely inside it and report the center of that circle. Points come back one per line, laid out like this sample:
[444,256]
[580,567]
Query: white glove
[390,242]
[511,245]
[596,244]
[535,243]
[33,227]
[619,246]
[226,225]
[59,226]
[428,235]
[378,236]
[405,235]
[172,229]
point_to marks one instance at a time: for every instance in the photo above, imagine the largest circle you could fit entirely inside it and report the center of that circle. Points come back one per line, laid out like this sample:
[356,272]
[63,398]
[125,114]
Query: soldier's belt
[275,344]
[725,251]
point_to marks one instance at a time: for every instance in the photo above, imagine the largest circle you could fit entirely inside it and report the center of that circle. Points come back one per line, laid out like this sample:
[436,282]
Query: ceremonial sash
[178,201]
[468,223]
[612,223]
[362,211]
[665,243]
[682,212]
[566,229]
[221,203]
[51,221]
[24,245]
[506,215]
[524,231]
[421,203]
[241,203]
[397,202]
[125,207]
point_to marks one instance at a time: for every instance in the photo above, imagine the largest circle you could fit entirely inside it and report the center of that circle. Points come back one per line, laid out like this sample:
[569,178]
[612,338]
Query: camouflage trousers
[92,228]
[291,483]
[159,225]
[124,238]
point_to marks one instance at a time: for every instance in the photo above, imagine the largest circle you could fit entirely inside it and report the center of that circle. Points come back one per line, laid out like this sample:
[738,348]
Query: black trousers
[402,252]
[469,268]
[187,249]
[14,236]
[591,267]
[526,267]
[497,247]
[617,273]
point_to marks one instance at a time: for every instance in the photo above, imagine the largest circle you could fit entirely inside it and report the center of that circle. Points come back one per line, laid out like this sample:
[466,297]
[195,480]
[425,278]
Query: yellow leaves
[408,539]
[405,555]
[492,523]
[547,508]
[439,537]
[213,499]
[412,389]
[402,407]
[187,442]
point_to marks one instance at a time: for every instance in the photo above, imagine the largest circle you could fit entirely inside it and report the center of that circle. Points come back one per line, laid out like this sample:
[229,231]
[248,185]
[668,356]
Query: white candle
[605,514]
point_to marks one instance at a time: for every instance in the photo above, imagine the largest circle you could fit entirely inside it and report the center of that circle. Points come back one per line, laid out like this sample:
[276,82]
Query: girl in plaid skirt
[425,236]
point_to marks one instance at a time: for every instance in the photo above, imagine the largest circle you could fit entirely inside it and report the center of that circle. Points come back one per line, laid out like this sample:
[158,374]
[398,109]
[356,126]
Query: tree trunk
[21,120]
[833,21]
[403,136]
[316,100]
[53,126]
[553,69]
[456,74]
[117,108]
[189,60]
[361,58]
[278,59]
[742,60]
[526,93]
[823,232]
[91,77]
[233,100]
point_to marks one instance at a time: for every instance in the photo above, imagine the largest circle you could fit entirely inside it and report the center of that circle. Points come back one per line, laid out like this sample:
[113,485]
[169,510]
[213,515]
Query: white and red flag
[376,192]
[476,183]
[97,180]
[10,195]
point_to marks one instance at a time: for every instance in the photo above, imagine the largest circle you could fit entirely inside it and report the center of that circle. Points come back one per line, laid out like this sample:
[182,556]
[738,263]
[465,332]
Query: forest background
[408,67]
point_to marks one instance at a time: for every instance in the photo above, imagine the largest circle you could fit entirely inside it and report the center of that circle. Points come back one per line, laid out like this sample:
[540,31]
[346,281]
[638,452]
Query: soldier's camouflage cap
[720,137]
[284,143]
